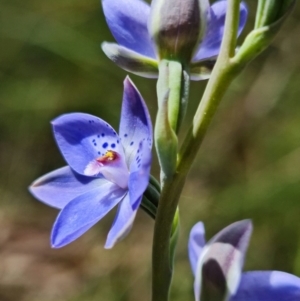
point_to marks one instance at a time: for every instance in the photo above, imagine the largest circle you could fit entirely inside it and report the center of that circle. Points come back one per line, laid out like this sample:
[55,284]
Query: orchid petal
[122,223]
[135,124]
[131,61]
[139,174]
[82,138]
[127,20]
[196,244]
[211,42]
[62,185]
[138,182]
[83,212]
[219,267]
[268,286]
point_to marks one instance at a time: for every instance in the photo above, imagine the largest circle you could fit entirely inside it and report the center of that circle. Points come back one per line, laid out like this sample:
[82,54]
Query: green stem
[161,259]
[222,75]
[174,236]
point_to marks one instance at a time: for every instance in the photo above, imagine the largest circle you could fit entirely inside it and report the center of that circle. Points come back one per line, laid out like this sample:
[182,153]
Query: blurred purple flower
[135,51]
[217,267]
[105,169]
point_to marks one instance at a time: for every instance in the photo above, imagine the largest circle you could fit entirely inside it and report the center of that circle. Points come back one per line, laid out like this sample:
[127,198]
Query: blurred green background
[248,167]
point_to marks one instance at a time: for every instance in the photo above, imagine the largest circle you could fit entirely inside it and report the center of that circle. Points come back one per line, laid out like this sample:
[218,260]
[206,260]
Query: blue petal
[127,20]
[211,43]
[122,223]
[138,182]
[83,212]
[268,286]
[60,186]
[139,174]
[135,124]
[82,138]
[196,244]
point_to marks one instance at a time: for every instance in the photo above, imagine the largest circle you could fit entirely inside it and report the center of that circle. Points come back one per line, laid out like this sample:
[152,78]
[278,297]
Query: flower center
[108,157]
[112,166]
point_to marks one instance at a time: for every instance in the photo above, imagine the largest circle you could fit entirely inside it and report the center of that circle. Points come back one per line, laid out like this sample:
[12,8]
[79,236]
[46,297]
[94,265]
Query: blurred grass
[248,167]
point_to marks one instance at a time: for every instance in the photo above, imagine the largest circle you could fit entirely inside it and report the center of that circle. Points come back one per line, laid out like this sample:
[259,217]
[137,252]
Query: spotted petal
[138,182]
[139,174]
[83,212]
[211,43]
[62,185]
[127,20]
[268,286]
[135,124]
[196,244]
[82,138]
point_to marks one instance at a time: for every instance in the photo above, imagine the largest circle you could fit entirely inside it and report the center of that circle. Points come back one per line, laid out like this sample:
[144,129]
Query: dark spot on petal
[105,145]
[98,136]
[95,144]
[131,143]
[118,141]
[113,145]
[125,135]
[99,153]
[102,134]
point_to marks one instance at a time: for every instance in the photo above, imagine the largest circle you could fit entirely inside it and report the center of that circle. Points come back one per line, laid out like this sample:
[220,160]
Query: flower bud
[220,267]
[177,27]
[270,17]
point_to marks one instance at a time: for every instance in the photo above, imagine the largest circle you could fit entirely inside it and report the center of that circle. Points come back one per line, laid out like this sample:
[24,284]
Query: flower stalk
[225,70]
[223,74]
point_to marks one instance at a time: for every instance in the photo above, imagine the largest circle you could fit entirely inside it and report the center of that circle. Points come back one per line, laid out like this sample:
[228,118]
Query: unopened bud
[220,268]
[177,27]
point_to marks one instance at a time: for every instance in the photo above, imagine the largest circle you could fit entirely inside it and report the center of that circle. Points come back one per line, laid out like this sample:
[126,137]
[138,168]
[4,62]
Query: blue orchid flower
[135,52]
[105,169]
[217,267]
